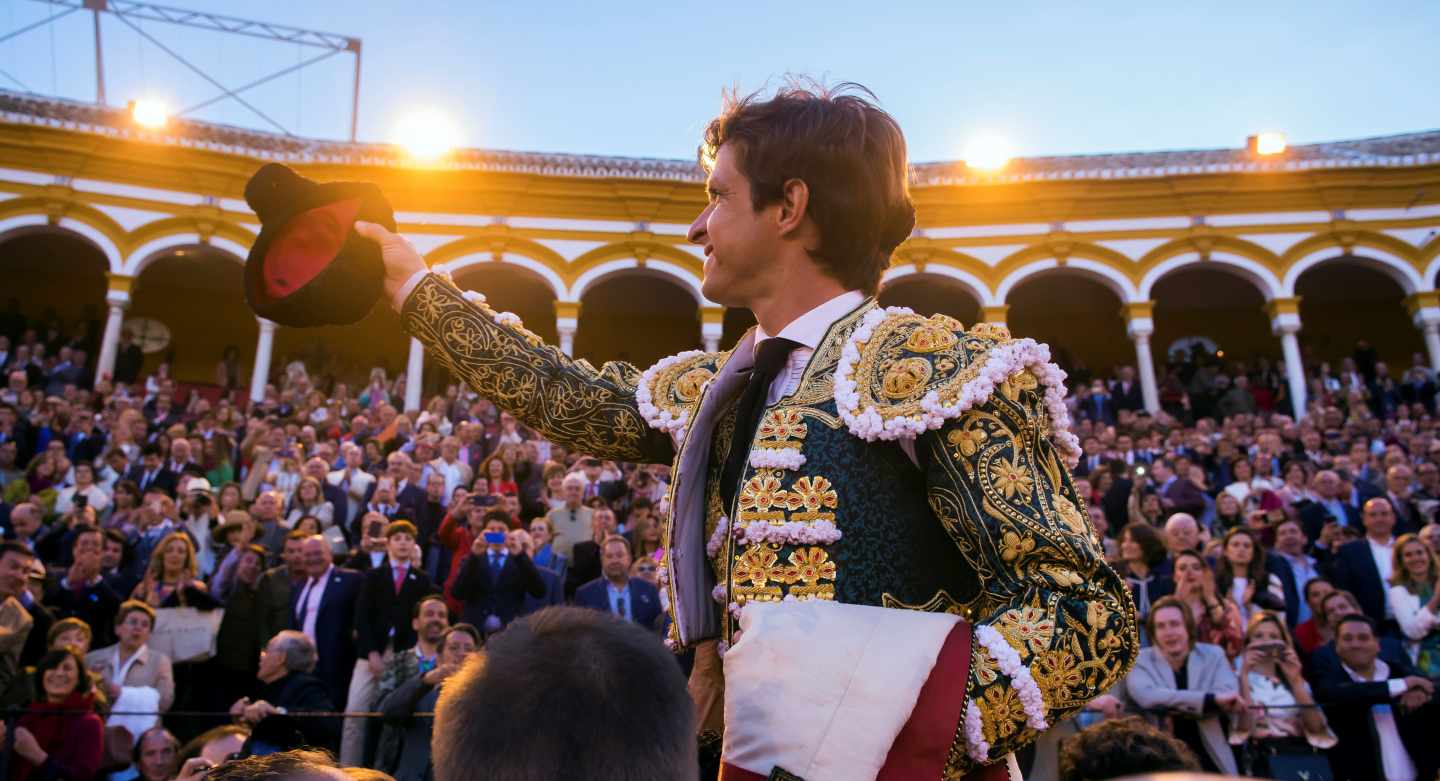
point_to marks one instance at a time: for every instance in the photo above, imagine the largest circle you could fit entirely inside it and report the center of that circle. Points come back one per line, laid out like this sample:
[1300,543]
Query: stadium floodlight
[149,113]
[1267,143]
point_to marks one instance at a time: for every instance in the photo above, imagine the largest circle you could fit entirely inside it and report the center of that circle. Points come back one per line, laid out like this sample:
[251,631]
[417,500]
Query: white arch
[1395,267]
[1431,270]
[546,274]
[654,267]
[153,250]
[970,282]
[1256,274]
[1109,277]
[92,236]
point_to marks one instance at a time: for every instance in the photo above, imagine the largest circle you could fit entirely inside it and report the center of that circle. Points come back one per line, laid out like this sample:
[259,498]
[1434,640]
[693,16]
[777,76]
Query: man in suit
[1363,567]
[383,619]
[616,592]
[1397,490]
[1126,391]
[1382,712]
[407,493]
[554,582]
[585,562]
[1177,493]
[1329,505]
[1334,608]
[1098,406]
[1191,681]
[83,593]
[495,577]
[151,474]
[67,371]
[324,610]
[84,444]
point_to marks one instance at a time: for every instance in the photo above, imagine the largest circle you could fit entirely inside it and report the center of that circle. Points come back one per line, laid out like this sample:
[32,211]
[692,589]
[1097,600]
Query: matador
[874,542]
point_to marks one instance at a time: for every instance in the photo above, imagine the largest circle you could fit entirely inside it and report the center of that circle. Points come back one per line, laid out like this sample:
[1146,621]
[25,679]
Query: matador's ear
[308,267]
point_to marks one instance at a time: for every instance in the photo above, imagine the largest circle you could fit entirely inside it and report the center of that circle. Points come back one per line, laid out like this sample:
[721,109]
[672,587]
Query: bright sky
[642,78]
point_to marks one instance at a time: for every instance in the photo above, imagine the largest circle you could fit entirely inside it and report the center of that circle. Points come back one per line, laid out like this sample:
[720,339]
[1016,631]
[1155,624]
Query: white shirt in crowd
[1393,756]
[1383,556]
[308,606]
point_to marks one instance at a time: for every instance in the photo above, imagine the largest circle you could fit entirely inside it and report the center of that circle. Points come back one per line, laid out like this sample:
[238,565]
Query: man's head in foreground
[567,693]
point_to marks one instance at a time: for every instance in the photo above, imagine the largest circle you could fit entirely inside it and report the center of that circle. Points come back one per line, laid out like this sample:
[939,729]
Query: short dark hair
[151,449]
[17,548]
[496,516]
[199,742]
[463,628]
[1305,592]
[283,766]
[1358,618]
[433,596]
[851,156]
[573,670]
[1121,748]
[51,660]
[401,527]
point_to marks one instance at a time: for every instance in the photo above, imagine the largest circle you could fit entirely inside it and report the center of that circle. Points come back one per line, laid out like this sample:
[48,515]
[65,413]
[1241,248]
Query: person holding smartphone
[494,577]
[1282,727]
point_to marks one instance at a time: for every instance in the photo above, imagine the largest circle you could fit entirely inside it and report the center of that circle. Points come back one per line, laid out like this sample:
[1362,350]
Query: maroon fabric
[920,750]
[73,741]
[729,772]
[306,245]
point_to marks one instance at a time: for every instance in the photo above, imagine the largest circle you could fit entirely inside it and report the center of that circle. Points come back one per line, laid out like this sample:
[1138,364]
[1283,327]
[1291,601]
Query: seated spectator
[1315,630]
[1142,550]
[309,500]
[156,757]
[1241,575]
[1380,710]
[1415,596]
[135,678]
[618,594]
[1281,729]
[494,578]
[82,493]
[1295,568]
[58,736]
[286,671]
[1121,748]
[626,713]
[1182,533]
[1216,618]
[1191,683]
[216,746]
[419,695]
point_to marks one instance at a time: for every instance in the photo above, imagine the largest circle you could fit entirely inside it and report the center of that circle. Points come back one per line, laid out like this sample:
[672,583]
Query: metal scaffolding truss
[130,13]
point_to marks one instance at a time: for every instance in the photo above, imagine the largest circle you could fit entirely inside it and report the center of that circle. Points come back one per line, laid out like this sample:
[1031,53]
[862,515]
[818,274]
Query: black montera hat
[308,267]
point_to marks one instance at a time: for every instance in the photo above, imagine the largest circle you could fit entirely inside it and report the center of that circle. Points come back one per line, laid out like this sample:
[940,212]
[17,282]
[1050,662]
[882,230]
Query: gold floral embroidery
[762,492]
[1067,512]
[1064,577]
[904,376]
[1058,673]
[812,493]
[1022,380]
[754,571]
[1029,627]
[934,337]
[984,668]
[809,566]
[966,441]
[782,424]
[688,387]
[1013,546]
[1001,713]
[1011,479]
[990,331]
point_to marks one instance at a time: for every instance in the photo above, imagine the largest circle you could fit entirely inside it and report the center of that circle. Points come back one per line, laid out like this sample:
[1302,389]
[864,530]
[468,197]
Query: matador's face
[740,243]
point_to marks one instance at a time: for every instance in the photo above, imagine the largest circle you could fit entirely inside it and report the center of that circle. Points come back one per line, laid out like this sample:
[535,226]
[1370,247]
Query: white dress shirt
[308,606]
[1393,756]
[1382,554]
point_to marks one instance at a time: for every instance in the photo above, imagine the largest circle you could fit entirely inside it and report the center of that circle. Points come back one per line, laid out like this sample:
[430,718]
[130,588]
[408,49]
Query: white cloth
[833,711]
[1393,756]
[1383,555]
[308,606]
[134,710]
[1415,618]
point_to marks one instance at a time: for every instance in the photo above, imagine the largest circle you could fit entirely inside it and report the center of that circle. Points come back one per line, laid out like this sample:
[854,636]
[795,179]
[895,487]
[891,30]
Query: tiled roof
[1411,149]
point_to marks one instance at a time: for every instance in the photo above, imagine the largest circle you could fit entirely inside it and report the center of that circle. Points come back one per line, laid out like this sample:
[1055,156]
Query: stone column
[567,321]
[995,314]
[414,375]
[1140,325]
[263,347]
[712,327]
[117,298]
[1424,311]
[1285,323]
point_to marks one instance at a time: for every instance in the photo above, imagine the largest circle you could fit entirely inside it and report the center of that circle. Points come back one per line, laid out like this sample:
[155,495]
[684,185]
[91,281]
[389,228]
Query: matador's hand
[401,259]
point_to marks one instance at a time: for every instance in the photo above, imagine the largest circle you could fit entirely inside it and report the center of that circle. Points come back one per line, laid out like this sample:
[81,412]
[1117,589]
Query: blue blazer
[644,600]
[1355,571]
[334,631]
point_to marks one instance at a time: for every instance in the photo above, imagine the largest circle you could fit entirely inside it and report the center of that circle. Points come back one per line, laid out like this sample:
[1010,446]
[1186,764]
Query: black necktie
[769,359]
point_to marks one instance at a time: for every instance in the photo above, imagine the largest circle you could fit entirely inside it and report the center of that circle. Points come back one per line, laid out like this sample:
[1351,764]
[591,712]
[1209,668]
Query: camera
[494,538]
[375,529]
[81,501]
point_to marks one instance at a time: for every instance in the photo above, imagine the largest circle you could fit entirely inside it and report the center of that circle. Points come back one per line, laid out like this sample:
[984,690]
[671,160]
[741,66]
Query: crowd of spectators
[1285,571]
